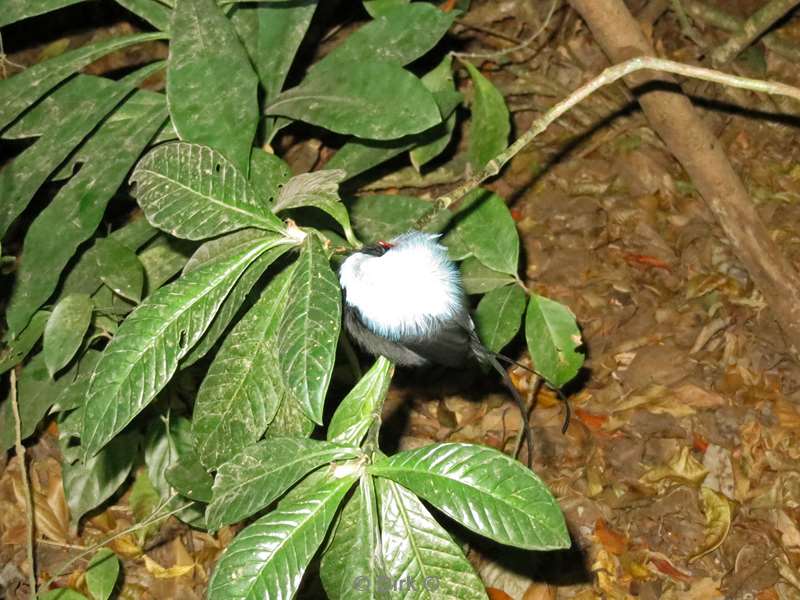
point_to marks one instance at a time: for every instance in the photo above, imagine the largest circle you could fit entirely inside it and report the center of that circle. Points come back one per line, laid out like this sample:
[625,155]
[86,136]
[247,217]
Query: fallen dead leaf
[717,510]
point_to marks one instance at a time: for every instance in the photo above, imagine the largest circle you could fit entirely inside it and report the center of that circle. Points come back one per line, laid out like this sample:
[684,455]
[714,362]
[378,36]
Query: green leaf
[165,440]
[499,315]
[484,490]
[309,328]
[16,10]
[290,421]
[83,278]
[189,477]
[487,230]
[120,269]
[358,156]
[376,8]
[244,387]
[62,594]
[162,259]
[321,190]
[146,351]
[352,566]
[22,90]
[88,484]
[211,87]
[415,547]
[268,173]
[439,81]
[261,473]
[72,396]
[143,500]
[368,98]
[77,209]
[479,279]
[358,410]
[384,217]
[16,350]
[65,330]
[399,35]
[553,338]
[268,558]
[193,192]
[151,11]
[271,33]
[101,576]
[233,303]
[20,179]
[36,392]
[490,124]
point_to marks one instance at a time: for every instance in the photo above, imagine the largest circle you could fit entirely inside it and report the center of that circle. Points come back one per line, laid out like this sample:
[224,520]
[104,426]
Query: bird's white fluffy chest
[406,292]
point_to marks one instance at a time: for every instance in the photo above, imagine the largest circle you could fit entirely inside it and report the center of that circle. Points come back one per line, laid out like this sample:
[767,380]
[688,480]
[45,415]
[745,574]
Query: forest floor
[679,472]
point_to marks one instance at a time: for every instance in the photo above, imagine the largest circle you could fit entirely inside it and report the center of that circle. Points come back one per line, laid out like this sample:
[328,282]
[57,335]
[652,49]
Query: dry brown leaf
[160,572]
[540,591]
[126,546]
[613,541]
[682,467]
[717,510]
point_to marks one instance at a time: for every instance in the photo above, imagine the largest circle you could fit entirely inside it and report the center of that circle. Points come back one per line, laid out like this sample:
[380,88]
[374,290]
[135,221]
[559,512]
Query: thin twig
[153,518]
[758,23]
[686,25]
[516,48]
[717,18]
[26,488]
[607,77]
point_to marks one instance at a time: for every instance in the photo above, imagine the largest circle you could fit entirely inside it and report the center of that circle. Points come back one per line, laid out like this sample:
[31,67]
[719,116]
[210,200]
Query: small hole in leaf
[182,340]
[217,168]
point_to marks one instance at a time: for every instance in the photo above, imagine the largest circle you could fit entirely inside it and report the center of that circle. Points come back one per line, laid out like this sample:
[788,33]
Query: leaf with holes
[193,192]
[484,490]
[262,473]
[553,339]
[268,558]
[309,328]
[146,350]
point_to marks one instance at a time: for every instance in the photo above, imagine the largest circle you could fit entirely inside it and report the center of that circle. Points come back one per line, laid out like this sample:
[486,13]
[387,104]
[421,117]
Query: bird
[404,300]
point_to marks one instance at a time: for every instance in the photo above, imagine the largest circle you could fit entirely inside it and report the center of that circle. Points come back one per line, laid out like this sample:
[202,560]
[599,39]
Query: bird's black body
[414,332]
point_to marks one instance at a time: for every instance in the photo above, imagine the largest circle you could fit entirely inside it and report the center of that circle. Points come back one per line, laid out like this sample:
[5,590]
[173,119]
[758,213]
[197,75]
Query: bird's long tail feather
[490,358]
[567,409]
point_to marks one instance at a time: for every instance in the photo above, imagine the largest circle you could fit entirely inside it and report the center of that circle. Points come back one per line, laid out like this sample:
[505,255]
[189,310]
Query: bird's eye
[385,245]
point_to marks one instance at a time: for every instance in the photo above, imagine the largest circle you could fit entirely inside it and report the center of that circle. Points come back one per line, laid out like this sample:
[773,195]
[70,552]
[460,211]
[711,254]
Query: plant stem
[607,77]
[26,489]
